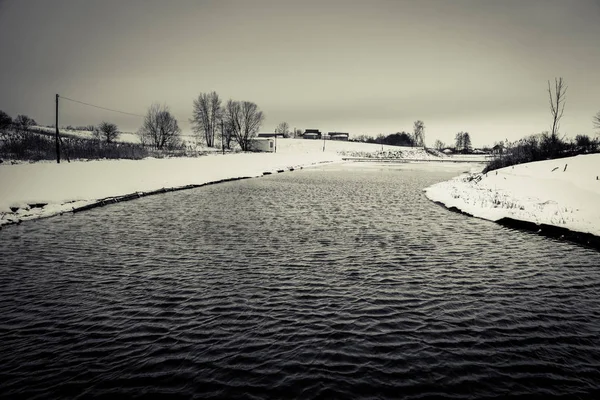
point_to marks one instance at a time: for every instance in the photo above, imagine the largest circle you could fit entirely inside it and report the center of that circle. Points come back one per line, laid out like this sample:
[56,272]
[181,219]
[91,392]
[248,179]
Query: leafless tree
[245,119]
[557,104]
[226,134]
[107,131]
[160,128]
[466,142]
[284,128]
[439,145]
[206,116]
[419,133]
[459,141]
[596,120]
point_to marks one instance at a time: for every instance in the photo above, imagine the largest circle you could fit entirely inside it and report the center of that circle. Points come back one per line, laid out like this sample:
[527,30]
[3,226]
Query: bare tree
[557,104]
[459,141]
[439,145]
[466,142]
[160,128]
[419,133]
[107,131]
[245,119]
[596,120]
[226,134]
[206,116]
[284,128]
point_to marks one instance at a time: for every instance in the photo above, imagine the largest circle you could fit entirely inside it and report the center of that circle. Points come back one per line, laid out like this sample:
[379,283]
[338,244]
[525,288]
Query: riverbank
[556,196]
[38,190]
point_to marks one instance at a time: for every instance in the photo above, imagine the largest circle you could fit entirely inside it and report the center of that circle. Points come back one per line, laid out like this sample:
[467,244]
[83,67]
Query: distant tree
[439,145]
[206,114]
[5,121]
[557,107]
[466,142]
[458,141]
[284,128]
[399,139]
[160,128]
[298,133]
[107,131]
[419,133]
[245,119]
[596,120]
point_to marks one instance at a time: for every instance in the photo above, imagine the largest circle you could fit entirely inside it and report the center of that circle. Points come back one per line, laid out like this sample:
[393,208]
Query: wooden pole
[222,142]
[57,137]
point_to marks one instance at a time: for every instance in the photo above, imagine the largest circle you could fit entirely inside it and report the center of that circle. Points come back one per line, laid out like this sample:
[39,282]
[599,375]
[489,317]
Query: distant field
[302,146]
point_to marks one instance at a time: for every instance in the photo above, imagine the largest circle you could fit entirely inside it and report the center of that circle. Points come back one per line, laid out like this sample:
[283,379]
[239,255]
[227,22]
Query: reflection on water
[335,282]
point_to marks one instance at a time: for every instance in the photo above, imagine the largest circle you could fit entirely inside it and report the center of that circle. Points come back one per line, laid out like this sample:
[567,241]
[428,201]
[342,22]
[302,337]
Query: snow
[542,192]
[42,189]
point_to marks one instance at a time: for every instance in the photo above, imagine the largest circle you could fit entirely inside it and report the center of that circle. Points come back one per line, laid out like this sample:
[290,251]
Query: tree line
[416,138]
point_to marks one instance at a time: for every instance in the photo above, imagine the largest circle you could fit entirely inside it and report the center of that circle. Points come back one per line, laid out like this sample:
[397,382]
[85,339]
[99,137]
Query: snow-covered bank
[38,190]
[564,193]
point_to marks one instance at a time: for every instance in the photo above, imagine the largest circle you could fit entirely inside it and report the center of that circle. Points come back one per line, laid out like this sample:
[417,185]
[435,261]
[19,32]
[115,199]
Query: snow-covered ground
[34,190]
[563,192]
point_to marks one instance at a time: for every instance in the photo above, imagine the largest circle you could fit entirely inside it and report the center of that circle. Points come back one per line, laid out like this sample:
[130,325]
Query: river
[338,281]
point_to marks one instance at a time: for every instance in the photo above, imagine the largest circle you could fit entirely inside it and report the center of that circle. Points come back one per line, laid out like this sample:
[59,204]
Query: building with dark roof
[338,136]
[269,134]
[312,134]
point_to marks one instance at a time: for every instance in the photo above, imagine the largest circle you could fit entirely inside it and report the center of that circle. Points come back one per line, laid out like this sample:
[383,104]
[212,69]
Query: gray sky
[355,66]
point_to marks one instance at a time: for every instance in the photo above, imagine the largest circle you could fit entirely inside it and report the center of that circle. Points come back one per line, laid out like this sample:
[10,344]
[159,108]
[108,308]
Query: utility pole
[57,137]
[323,143]
[222,143]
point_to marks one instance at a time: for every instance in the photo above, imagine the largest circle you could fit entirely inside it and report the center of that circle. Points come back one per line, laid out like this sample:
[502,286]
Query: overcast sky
[353,66]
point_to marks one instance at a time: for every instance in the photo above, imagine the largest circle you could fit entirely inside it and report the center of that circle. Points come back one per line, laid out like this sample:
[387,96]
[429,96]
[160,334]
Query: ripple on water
[320,283]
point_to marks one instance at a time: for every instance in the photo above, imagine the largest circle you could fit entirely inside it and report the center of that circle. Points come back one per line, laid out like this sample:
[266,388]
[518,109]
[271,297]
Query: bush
[540,147]
[42,146]
[5,121]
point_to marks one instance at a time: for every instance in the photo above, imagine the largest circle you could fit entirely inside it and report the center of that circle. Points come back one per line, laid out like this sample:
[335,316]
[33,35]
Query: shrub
[539,147]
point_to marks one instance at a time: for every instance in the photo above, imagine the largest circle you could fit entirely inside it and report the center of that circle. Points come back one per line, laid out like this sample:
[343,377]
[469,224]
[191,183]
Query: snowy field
[563,192]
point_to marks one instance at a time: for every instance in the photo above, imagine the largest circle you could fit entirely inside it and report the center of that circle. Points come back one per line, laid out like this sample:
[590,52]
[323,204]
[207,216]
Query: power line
[103,108]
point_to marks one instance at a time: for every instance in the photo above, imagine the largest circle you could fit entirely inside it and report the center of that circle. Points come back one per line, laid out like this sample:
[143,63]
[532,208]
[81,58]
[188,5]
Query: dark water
[325,283]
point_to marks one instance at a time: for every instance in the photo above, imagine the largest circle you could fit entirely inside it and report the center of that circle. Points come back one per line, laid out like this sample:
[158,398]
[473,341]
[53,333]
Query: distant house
[497,149]
[312,134]
[269,135]
[338,136]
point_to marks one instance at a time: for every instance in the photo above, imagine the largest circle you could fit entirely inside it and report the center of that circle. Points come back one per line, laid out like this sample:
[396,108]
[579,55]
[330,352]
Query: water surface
[340,281]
